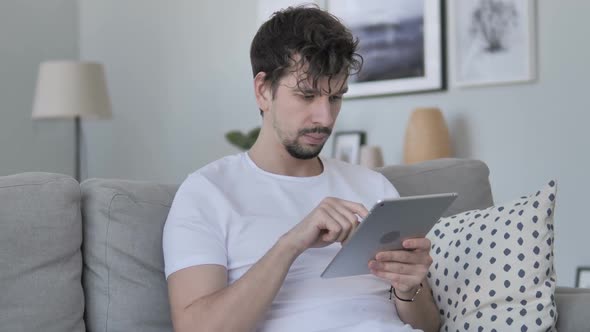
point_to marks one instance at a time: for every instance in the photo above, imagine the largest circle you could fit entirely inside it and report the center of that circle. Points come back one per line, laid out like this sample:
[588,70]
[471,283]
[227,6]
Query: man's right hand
[333,220]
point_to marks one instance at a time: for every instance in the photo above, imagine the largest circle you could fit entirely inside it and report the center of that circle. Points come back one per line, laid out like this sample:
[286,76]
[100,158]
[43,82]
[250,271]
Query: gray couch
[88,257]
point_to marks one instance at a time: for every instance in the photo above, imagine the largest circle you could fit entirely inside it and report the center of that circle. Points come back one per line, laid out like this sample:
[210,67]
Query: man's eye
[335,98]
[308,97]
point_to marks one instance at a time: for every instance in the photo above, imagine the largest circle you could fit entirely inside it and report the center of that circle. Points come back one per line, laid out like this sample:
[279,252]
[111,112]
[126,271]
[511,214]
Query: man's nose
[322,112]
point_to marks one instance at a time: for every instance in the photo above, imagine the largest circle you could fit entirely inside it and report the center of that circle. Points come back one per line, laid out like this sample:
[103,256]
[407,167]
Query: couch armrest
[572,308]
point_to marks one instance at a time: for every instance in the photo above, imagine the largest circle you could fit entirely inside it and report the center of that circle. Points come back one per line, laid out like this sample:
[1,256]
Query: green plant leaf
[244,142]
[253,134]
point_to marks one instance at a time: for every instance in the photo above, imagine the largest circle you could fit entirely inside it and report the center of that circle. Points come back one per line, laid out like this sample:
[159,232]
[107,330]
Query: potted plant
[241,140]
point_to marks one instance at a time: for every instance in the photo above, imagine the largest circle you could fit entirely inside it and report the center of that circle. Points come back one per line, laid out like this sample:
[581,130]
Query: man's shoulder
[358,175]
[216,172]
[352,169]
[219,167]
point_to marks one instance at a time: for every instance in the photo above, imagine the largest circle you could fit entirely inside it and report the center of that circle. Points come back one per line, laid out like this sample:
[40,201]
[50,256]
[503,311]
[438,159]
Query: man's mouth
[317,136]
[314,138]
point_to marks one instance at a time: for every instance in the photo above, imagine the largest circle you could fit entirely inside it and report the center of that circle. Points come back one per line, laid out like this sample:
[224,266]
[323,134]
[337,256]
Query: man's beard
[298,151]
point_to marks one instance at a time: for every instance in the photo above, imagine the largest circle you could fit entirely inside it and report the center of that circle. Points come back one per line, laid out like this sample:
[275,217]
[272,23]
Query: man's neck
[276,160]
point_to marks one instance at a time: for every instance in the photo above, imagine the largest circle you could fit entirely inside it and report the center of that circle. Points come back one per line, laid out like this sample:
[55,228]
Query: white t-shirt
[231,213]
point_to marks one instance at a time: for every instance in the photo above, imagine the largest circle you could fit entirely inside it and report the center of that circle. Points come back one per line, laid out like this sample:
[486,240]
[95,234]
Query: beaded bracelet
[392,291]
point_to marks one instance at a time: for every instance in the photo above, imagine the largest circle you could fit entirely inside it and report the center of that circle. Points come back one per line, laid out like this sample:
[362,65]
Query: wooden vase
[371,156]
[427,136]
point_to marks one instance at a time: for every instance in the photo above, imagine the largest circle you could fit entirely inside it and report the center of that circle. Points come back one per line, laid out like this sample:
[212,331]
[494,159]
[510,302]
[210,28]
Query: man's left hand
[404,269]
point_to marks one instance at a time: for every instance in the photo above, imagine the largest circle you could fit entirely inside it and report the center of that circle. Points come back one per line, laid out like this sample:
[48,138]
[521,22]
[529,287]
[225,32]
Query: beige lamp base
[427,136]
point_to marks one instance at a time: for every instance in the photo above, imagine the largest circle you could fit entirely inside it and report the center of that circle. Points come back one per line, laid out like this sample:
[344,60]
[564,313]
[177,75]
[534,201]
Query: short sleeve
[192,234]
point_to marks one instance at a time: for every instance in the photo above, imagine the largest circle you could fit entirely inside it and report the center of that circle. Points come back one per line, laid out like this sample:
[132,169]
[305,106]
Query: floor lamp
[73,90]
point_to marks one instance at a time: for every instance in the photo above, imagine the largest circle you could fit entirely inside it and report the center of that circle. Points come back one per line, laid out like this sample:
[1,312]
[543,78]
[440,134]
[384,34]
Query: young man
[248,235]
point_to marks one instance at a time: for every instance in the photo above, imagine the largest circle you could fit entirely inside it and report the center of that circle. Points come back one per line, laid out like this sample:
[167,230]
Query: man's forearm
[242,304]
[422,313]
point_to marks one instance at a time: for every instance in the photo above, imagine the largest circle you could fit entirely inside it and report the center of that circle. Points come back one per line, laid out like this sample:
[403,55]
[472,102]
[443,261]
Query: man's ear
[263,91]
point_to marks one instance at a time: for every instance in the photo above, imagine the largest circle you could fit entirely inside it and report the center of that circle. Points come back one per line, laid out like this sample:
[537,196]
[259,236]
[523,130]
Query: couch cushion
[40,258]
[123,261]
[493,268]
[572,305]
[468,178]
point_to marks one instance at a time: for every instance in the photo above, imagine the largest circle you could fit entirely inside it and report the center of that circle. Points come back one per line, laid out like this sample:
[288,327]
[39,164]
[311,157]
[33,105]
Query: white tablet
[387,225]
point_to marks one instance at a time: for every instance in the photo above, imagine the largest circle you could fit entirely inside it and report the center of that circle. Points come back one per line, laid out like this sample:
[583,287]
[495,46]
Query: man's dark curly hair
[304,38]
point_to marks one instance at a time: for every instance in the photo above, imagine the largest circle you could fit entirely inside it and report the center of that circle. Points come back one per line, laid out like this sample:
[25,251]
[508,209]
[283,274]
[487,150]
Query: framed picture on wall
[583,277]
[401,42]
[347,146]
[491,41]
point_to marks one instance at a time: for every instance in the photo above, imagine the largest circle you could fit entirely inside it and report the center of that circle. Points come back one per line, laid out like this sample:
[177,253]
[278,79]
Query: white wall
[179,77]
[32,31]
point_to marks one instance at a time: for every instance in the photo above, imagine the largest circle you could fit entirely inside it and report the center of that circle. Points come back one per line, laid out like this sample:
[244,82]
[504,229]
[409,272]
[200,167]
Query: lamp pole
[69,89]
[78,154]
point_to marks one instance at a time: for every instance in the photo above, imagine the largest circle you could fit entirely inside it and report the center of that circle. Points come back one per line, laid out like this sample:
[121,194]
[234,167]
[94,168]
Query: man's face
[303,117]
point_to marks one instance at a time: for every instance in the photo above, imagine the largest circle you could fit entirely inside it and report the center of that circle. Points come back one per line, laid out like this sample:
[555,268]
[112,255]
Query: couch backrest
[468,178]
[40,258]
[123,222]
[123,277]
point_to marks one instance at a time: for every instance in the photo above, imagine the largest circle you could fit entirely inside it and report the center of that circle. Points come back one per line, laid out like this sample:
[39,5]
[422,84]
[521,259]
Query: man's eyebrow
[305,90]
[342,90]
[310,90]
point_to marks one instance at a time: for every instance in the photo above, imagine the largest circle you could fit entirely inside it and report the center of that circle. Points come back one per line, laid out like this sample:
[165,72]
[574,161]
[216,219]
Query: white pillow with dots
[493,268]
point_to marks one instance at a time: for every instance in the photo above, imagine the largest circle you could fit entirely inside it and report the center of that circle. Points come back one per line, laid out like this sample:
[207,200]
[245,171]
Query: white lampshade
[69,89]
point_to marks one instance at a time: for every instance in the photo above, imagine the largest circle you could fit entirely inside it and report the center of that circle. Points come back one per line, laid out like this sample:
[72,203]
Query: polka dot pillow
[493,268]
